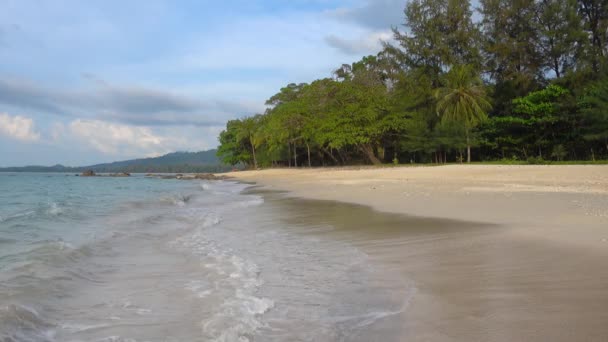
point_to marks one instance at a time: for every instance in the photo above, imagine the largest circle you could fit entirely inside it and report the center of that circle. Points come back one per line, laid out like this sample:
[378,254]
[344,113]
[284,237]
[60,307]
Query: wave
[179,200]
[21,323]
[47,210]
[233,278]
[54,209]
[45,264]
[7,241]
[18,215]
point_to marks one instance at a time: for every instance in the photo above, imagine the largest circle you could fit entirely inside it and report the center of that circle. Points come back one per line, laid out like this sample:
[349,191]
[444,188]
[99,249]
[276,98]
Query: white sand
[547,200]
[539,273]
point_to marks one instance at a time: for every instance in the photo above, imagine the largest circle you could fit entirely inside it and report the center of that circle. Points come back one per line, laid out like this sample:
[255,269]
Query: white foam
[251,202]
[234,278]
[211,220]
[54,209]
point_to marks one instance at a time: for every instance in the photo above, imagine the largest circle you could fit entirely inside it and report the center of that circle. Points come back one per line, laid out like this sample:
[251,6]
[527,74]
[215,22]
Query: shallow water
[137,259]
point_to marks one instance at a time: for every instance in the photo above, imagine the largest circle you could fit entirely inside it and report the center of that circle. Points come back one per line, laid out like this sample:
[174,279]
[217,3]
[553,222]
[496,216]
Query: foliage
[527,83]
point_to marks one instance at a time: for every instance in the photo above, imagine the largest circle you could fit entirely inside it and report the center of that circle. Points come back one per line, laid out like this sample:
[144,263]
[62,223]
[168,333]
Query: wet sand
[494,253]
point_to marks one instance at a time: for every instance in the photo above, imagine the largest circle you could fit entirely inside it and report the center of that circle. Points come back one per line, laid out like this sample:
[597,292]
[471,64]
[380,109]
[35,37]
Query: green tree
[463,99]
[539,113]
[249,131]
[561,37]
[594,16]
[438,35]
[232,149]
[510,36]
[595,109]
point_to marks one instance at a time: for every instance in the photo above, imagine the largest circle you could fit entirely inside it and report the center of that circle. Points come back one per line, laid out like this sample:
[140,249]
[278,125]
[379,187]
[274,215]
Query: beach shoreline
[539,197]
[536,272]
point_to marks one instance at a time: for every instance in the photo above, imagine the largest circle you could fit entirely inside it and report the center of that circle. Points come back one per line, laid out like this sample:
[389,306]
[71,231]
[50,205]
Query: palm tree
[463,99]
[249,131]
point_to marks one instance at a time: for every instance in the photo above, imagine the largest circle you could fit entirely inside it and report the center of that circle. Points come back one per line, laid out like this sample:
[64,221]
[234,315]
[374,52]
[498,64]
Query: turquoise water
[40,208]
[141,259]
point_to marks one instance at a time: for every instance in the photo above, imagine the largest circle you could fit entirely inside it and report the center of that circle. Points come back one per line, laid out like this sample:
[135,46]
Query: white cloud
[118,139]
[18,127]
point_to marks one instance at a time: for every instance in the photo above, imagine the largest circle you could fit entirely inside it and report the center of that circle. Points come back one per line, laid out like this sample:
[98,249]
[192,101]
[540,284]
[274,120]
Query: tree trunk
[592,155]
[330,155]
[288,154]
[342,157]
[255,161]
[308,150]
[468,146]
[369,152]
[295,155]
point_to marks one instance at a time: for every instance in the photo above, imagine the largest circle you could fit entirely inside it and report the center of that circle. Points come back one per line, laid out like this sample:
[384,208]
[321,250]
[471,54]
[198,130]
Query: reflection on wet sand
[473,281]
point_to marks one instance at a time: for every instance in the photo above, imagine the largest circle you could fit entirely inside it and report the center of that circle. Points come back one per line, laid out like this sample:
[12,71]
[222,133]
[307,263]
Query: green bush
[536,160]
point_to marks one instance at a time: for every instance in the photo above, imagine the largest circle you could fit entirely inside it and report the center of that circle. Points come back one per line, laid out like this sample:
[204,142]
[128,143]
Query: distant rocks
[188,176]
[88,173]
[201,176]
[120,174]
[91,173]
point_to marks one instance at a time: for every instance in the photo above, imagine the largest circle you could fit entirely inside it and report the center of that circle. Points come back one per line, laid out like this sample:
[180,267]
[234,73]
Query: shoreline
[535,272]
[542,198]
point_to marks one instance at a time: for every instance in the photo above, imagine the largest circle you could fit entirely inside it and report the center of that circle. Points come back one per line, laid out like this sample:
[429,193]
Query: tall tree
[595,108]
[249,131]
[594,14]
[438,34]
[561,38]
[510,38]
[463,100]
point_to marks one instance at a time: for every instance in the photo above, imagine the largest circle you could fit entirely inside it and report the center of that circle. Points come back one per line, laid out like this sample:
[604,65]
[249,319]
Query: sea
[145,259]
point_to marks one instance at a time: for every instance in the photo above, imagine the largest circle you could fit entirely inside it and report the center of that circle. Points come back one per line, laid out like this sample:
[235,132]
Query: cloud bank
[127,104]
[18,127]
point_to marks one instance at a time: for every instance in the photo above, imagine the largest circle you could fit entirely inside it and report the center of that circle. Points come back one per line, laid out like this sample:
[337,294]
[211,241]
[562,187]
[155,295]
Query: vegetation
[527,82]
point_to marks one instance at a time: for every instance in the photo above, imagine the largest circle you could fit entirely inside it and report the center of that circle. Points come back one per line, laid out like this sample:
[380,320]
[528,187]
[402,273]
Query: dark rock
[208,176]
[88,173]
[121,174]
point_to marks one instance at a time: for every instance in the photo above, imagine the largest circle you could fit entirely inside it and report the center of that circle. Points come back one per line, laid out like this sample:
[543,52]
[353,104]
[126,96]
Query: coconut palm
[463,100]
[249,131]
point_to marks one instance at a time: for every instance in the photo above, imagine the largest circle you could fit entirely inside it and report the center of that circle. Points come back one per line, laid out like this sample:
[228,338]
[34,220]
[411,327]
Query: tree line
[522,80]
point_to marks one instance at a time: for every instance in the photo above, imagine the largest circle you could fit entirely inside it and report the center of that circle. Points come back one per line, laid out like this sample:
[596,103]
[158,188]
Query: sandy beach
[520,255]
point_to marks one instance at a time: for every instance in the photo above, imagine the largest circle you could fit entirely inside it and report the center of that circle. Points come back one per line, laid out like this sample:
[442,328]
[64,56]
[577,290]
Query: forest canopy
[526,81]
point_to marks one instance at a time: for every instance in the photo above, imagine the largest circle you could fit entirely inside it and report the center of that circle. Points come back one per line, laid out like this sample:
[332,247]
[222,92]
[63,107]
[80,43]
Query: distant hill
[204,161]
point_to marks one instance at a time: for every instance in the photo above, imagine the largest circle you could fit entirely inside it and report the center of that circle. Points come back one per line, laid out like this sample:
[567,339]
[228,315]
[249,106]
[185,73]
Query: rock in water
[88,173]
[120,174]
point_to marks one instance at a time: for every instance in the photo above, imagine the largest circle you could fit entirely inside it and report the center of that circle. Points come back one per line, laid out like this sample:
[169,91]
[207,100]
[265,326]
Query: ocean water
[140,259]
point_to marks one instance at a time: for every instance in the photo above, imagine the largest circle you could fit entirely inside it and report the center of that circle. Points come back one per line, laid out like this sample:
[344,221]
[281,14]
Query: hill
[204,161]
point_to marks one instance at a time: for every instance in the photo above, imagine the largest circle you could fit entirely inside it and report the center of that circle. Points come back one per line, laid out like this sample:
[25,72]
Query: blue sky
[83,82]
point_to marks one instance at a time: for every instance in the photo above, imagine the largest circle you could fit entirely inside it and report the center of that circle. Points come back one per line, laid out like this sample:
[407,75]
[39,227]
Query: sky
[84,82]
